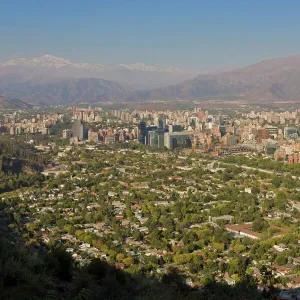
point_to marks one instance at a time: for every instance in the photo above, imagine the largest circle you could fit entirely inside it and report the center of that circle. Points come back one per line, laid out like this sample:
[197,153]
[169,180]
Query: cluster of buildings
[39,123]
[124,116]
[274,133]
[132,185]
[87,114]
[282,118]
[83,118]
[169,136]
[79,133]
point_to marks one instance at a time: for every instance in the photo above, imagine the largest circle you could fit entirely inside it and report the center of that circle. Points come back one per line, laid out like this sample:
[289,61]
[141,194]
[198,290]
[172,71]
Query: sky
[196,35]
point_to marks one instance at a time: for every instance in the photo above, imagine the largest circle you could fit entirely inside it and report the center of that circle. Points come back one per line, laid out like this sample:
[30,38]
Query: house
[281,270]
[295,205]
[120,265]
[189,181]
[143,229]
[270,195]
[229,280]
[296,261]
[175,178]
[140,185]
[112,194]
[84,246]
[125,223]
[248,190]
[161,203]
[243,230]
[228,218]
[280,248]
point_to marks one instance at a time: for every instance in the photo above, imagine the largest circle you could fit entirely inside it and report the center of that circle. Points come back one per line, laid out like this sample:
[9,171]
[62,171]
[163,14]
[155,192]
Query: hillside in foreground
[48,272]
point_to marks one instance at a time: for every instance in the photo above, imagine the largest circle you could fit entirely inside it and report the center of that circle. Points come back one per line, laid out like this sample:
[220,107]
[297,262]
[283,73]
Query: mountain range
[268,80]
[52,80]
[65,91]
[136,76]
[6,103]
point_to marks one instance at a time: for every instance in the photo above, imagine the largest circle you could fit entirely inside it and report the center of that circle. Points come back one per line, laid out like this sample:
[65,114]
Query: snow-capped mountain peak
[139,66]
[51,61]
[47,60]
[51,69]
[15,62]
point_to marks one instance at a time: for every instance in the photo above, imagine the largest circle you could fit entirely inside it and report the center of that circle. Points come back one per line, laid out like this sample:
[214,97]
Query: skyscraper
[142,132]
[73,111]
[222,129]
[156,138]
[173,140]
[78,129]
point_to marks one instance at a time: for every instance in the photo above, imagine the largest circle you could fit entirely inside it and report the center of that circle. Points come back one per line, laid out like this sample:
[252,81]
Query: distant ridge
[135,75]
[52,80]
[268,80]
[67,91]
[6,103]
[52,61]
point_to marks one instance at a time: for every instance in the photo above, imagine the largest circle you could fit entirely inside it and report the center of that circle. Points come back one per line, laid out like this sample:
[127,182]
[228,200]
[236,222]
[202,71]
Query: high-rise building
[289,132]
[193,121]
[156,138]
[263,134]
[12,130]
[78,129]
[229,140]
[161,123]
[66,134]
[93,136]
[73,111]
[46,131]
[272,129]
[223,119]
[175,128]
[271,148]
[81,114]
[142,132]
[222,130]
[173,140]
[18,130]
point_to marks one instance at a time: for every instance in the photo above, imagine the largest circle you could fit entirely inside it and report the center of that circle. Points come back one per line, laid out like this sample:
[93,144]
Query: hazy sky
[196,35]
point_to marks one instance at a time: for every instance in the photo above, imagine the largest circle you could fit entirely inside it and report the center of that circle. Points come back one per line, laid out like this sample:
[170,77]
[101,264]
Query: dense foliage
[177,199]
